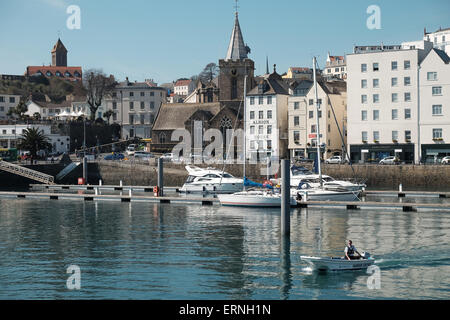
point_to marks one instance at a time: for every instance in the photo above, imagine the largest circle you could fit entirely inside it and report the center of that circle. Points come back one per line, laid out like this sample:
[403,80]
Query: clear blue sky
[166,40]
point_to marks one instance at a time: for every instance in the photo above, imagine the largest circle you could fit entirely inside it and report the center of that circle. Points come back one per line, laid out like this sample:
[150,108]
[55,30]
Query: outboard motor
[365,255]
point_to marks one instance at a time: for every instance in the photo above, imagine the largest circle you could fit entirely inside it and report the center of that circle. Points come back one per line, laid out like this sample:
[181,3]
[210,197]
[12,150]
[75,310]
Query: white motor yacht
[210,180]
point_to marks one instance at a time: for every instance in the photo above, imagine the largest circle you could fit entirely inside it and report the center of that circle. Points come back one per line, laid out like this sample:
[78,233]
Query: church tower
[59,55]
[235,66]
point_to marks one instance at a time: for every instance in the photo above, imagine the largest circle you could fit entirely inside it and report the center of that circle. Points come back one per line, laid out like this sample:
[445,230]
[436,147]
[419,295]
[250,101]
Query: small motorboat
[339,263]
[253,198]
[210,180]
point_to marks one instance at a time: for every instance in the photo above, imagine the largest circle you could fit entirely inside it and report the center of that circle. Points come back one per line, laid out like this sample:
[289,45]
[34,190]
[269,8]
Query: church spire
[237,50]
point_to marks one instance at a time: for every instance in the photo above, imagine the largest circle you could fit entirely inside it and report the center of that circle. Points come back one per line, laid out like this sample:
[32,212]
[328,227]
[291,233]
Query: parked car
[335,159]
[389,160]
[446,160]
[167,157]
[143,155]
[114,156]
[131,149]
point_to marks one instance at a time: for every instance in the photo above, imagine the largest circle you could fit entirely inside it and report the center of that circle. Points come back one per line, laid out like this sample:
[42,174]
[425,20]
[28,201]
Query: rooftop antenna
[267,65]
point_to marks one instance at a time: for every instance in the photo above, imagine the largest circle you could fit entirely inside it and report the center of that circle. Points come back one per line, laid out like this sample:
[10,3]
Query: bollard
[285,198]
[161,177]
[120,183]
[400,187]
[100,182]
[96,191]
[129,192]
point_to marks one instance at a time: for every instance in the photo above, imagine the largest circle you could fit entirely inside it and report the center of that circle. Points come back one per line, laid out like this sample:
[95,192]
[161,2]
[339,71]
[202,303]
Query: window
[48,74]
[376,98]
[252,129]
[329,128]
[363,83]
[252,145]
[269,129]
[2,99]
[364,98]
[269,114]
[394,82]
[131,105]
[152,105]
[407,96]
[296,121]
[364,135]
[437,110]
[394,97]
[407,81]
[329,70]
[407,135]
[260,100]
[142,94]
[252,101]
[376,66]
[142,118]
[252,114]
[394,114]
[12,99]
[376,83]
[394,135]
[114,94]
[431,76]
[336,69]
[437,133]
[269,144]
[152,94]
[142,105]
[296,105]
[311,102]
[313,128]
[407,65]
[376,136]
[261,115]
[408,113]
[311,114]
[376,115]
[364,115]
[260,129]
[363,67]
[394,65]
[269,100]
[437,91]
[131,118]
[114,105]
[297,136]
[320,113]
[131,94]
[114,116]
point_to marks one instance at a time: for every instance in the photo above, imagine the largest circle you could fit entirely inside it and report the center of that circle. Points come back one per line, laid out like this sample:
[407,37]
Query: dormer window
[77,74]
[260,88]
[58,74]
[48,74]
[67,74]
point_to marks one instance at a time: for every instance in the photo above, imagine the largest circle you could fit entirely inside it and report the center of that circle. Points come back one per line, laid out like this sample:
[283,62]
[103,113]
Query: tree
[33,140]
[97,86]
[18,110]
[108,114]
[209,72]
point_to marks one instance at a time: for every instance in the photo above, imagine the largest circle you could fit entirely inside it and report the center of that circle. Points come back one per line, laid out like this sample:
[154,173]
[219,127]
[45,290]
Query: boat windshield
[227,175]
[300,171]
[190,179]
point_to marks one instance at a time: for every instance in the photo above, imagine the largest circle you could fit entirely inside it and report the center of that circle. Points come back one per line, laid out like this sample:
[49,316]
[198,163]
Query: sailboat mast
[317,126]
[245,126]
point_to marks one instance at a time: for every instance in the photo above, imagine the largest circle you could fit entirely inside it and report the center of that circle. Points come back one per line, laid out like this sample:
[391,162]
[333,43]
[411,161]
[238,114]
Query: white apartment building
[10,135]
[440,39]
[267,119]
[7,101]
[434,84]
[302,111]
[386,103]
[135,106]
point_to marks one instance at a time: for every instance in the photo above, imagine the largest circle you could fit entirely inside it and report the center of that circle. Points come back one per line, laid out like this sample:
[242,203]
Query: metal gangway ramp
[27,173]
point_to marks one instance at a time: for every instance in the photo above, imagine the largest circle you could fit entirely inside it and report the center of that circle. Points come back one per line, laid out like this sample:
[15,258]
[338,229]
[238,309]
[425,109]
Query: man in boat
[350,251]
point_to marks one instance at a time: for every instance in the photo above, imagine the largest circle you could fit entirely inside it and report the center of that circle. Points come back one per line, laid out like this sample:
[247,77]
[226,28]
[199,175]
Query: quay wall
[412,177]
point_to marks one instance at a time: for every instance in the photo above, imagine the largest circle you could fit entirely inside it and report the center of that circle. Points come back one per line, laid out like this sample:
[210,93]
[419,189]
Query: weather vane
[236,7]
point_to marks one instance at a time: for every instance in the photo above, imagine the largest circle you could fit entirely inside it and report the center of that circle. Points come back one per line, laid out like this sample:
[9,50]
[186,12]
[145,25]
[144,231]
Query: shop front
[433,153]
[373,153]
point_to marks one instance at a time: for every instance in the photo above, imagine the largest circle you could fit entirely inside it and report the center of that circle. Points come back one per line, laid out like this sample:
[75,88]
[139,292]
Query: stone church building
[224,107]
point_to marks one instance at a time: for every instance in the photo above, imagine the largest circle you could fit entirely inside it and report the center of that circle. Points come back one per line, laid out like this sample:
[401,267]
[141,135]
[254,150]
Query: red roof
[53,70]
[333,58]
[180,83]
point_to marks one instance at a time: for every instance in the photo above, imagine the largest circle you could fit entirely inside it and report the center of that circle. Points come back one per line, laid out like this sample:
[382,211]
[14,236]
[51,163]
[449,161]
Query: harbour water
[167,251]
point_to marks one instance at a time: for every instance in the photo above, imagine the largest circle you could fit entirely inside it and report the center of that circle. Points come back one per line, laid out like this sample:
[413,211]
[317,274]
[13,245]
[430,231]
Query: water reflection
[151,251]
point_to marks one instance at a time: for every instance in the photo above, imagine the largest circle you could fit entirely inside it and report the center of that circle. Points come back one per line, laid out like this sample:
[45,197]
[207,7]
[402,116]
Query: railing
[27,173]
